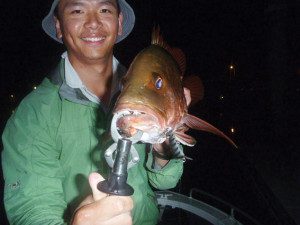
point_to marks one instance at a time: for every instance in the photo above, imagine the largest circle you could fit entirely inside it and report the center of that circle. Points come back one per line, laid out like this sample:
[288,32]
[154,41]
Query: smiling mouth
[93,39]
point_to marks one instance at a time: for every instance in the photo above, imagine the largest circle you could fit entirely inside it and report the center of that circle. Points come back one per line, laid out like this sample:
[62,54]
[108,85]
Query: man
[55,140]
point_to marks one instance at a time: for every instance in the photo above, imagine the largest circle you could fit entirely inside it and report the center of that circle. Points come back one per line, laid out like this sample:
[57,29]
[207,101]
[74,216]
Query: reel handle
[116,184]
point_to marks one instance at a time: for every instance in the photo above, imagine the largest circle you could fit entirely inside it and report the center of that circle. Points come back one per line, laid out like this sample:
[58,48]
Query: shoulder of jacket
[44,101]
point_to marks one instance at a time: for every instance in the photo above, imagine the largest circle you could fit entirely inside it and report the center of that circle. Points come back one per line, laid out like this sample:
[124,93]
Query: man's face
[89,28]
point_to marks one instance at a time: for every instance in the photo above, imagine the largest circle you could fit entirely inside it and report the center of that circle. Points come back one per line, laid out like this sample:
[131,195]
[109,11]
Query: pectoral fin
[184,139]
[199,124]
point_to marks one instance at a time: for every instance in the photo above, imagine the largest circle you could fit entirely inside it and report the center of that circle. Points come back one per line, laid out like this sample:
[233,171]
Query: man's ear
[120,30]
[58,28]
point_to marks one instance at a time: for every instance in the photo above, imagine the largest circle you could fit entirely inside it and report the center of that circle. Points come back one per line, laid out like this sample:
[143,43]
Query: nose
[93,21]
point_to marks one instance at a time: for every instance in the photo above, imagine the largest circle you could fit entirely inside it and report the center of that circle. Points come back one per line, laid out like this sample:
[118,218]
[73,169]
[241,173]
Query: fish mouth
[137,126]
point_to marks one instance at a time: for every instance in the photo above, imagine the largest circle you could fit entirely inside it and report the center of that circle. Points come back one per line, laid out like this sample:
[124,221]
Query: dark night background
[259,98]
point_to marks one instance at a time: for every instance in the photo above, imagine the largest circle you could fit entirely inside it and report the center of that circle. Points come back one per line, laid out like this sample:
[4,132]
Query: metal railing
[233,209]
[207,211]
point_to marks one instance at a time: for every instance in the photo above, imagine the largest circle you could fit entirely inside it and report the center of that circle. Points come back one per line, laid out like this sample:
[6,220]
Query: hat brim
[48,23]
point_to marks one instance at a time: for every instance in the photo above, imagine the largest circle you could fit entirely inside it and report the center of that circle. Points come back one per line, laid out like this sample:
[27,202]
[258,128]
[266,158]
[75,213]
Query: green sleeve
[33,175]
[167,177]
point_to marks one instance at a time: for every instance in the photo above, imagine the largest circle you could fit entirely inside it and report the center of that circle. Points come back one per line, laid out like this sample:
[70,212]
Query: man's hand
[187,95]
[101,209]
[164,149]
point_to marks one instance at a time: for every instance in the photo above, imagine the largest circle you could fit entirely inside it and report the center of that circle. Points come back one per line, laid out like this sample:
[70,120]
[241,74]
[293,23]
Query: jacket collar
[57,77]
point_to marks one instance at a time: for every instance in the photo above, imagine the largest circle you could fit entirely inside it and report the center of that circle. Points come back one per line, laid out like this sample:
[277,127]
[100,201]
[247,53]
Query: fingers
[106,207]
[108,210]
[101,209]
[187,95]
[113,206]
[158,148]
[94,179]
[124,219]
[88,200]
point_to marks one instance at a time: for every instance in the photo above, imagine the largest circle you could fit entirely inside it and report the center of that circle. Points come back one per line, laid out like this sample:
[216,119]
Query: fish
[151,106]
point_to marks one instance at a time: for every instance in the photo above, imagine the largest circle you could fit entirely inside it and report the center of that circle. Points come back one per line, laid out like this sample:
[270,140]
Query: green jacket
[52,142]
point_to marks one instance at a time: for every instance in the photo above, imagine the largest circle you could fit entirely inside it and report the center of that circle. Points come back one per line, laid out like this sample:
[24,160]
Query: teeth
[94,39]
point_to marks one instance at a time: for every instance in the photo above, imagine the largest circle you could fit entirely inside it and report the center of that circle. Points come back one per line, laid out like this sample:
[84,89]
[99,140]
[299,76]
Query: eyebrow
[81,3]
[109,2]
[74,3]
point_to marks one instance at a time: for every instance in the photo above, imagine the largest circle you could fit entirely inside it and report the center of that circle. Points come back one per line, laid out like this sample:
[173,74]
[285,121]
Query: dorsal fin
[177,53]
[179,56]
[157,39]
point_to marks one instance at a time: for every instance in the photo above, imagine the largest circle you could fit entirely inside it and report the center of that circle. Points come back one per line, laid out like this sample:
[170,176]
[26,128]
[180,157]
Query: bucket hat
[48,22]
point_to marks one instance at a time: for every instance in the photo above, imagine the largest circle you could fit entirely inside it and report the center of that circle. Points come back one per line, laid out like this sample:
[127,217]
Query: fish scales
[152,100]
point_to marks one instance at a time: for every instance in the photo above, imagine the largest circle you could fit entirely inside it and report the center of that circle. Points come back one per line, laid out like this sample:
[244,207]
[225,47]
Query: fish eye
[158,83]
